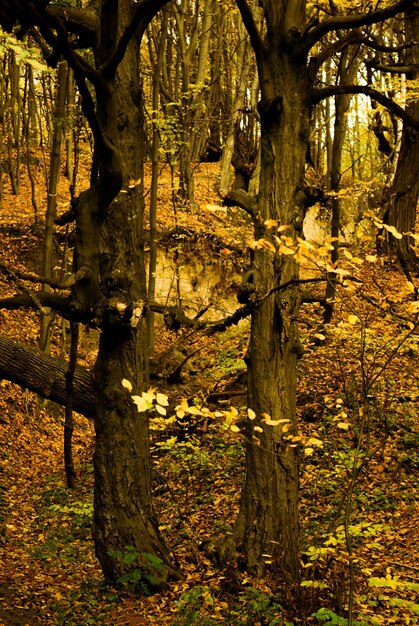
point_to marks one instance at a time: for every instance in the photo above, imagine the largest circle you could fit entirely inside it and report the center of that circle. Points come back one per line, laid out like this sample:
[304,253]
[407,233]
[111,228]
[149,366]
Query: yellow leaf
[268,245]
[134,183]
[285,250]
[126,384]
[258,429]
[270,223]
[318,443]
[393,231]
[234,428]
[272,422]
[371,258]
[286,428]
[319,336]
[141,403]
[251,414]
[308,451]
[162,399]
[339,271]
[305,244]
[343,425]
[160,409]
[283,227]
[353,319]
[149,395]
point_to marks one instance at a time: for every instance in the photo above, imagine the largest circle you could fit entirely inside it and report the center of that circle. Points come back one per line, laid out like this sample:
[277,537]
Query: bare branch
[251,27]
[343,22]
[353,36]
[144,13]
[374,45]
[38,300]
[34,278]
[242,199]
[326,92]
[390,69]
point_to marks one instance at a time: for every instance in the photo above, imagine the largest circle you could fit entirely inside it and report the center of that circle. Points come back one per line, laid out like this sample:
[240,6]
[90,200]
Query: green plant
[329,618]
[262,608]
[139,577]
[192,605]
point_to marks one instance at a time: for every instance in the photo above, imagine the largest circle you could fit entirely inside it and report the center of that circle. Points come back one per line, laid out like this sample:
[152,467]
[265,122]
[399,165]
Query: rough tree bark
[110,285]
[45,375]
[404,193]
[267,522]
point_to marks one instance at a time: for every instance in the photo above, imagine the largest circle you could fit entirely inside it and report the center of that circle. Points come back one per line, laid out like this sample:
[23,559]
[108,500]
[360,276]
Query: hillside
[358,413]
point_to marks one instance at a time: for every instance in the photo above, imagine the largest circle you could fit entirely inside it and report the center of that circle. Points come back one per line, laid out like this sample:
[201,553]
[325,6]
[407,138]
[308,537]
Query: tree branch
[343,22]
[374,45]
[144,13]
[80,22]
[34,278]
[242,199]
[251,27]
[36,300]
[390,69]
[45,375]
[354,36]
[326,92]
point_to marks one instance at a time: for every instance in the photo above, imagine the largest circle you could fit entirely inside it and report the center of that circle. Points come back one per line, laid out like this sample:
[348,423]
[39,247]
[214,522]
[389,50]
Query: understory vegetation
[358,472]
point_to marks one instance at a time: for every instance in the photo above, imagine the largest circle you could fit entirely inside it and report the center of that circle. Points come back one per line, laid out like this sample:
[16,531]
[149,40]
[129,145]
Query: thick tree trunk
[404,194]
[127,539]
[267,523]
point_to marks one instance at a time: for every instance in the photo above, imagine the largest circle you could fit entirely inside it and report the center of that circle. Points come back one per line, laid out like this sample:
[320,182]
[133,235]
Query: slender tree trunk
[70,471]
[54,175]
[243,68]
[155,148]
[346,73]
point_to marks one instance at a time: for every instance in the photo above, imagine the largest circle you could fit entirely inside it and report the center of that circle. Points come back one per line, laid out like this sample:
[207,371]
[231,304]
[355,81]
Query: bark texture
[45,375]
[267,523]
[404,193]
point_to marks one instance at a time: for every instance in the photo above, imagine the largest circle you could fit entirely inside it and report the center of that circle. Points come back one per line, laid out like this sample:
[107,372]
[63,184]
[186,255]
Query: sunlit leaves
[127,385]
[393,231]
[141,404]
[148,400]
[251,414]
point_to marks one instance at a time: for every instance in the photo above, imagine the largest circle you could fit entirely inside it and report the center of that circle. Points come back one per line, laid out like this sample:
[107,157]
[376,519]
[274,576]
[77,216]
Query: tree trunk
[127,538]
[48,260]
[267,523]
[404,192]
[347,69]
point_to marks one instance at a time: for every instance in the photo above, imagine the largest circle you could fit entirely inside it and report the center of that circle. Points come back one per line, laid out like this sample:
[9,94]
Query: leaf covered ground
[358,400]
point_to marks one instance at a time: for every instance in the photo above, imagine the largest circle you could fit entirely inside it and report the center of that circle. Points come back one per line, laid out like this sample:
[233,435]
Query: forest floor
[357,396]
